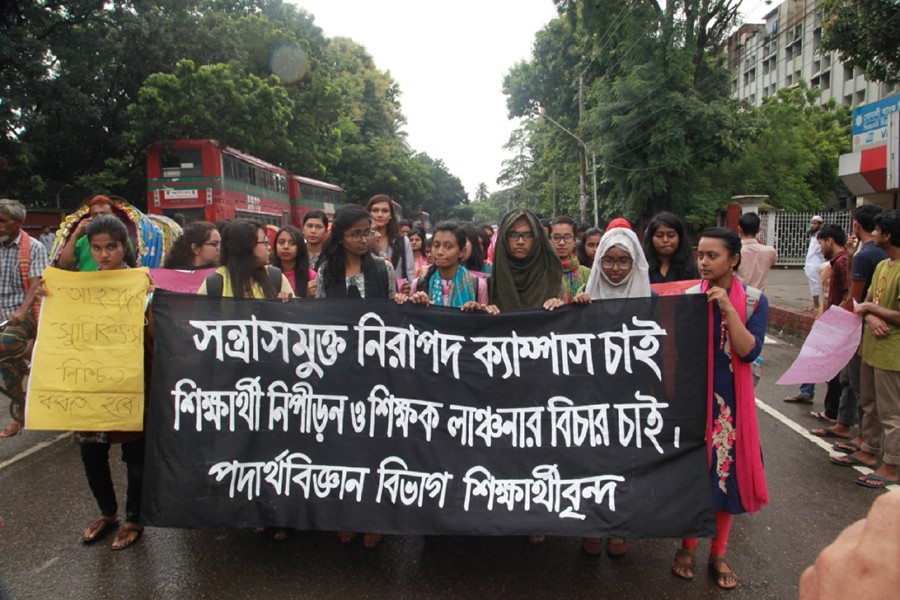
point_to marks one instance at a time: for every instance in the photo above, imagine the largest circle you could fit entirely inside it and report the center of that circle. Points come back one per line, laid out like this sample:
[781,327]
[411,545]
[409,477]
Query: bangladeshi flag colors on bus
[369,416]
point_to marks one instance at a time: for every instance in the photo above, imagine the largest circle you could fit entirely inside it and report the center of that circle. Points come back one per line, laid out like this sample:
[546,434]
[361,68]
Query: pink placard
[183,282]
[831,343]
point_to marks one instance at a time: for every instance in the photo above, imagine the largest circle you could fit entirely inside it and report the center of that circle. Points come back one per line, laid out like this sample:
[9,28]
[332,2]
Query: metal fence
[787,232]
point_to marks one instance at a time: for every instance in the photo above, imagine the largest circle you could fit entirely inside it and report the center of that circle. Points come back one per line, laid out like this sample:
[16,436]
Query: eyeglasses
[213,244]
[556,238]
[264,242]
[514,236]
[360,234]
[622,262]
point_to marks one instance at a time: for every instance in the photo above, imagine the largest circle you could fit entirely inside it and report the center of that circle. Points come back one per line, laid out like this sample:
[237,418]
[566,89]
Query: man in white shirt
[814,258]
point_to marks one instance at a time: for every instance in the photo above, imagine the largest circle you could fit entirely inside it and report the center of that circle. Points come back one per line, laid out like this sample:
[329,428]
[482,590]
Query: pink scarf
[749,467]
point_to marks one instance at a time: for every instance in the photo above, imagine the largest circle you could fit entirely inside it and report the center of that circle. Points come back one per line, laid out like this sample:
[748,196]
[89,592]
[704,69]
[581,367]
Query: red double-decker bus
[205,181]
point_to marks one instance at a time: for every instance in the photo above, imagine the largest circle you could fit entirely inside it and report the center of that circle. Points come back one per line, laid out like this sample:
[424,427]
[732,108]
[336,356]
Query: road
[46,504]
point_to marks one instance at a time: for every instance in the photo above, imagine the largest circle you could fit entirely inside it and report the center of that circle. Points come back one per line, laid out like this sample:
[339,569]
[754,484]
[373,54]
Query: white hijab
[636,284]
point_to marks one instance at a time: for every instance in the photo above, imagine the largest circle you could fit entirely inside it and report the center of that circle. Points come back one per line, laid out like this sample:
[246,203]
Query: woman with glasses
[620,271]
[198,247]
[347,269]
[390,243]
[527,272]
[668,250]
[245,270]
[562,236]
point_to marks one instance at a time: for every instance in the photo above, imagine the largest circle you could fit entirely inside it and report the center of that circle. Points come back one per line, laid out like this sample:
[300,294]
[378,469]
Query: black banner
[368,416]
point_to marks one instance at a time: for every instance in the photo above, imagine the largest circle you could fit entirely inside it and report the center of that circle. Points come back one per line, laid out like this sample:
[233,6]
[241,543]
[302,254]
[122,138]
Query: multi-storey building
[765,57]
[782,51]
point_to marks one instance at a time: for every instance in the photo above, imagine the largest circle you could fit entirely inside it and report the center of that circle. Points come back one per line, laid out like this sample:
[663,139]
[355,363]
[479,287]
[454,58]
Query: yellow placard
[87,370]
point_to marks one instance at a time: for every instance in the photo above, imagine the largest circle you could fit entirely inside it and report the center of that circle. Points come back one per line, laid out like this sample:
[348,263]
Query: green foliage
[865,32]
[86,86]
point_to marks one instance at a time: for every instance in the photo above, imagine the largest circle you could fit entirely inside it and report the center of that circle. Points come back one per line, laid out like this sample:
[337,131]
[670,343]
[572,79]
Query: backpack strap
[275,277]
[215,284]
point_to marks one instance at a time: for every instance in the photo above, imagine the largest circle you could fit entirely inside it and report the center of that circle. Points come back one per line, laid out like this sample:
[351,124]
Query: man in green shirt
[880,370]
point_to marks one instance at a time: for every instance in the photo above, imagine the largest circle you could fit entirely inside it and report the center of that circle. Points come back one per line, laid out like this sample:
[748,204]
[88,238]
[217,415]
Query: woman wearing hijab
[527,272]
[620,271]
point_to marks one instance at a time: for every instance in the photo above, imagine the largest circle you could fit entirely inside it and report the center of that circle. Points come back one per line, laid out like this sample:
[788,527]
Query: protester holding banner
[668,250]
[198,247]
[245,270]
[315,230]
[527,272]
[291,257]
[391,245]
[107,239]
[349,270]
[447,282]
[621,271]
[738,479]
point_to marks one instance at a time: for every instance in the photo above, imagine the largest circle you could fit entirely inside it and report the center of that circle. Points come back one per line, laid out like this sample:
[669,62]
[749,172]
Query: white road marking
[36,448]
[44,566]
[771,341]
[820,442]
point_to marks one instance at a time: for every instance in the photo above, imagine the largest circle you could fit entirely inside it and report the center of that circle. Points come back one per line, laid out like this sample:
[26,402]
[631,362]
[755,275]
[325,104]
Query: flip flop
[820,415]
[848,461]
[799,399]
[829,433]
[846,447]
[885,482]
[127,535]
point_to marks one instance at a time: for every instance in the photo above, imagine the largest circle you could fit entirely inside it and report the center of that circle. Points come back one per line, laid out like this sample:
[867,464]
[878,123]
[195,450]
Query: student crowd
[527,262]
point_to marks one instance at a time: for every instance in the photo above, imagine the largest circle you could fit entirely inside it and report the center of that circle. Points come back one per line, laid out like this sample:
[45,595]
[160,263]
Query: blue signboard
[870,122]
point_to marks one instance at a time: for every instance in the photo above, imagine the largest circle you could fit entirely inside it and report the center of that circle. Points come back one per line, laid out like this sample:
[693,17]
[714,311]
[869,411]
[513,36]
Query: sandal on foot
[877,482]
[829,432]
[280,535]
[799,399]
[616,547]
[99,528]
[345,537]
[14,428]
[849,461]
[592,546]
[127,535]
[820,415]
[724,575]
[371,540]
[683,565]
[846,447]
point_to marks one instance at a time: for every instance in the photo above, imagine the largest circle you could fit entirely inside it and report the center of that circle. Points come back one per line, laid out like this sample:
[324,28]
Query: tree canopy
[86,86]
[865,32]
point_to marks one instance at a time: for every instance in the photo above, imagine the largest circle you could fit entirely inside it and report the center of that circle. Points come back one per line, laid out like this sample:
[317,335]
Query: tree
[481,194]
[865,32]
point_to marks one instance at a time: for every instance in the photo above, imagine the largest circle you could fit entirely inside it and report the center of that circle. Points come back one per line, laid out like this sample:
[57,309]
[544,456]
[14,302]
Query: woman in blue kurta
[738,480]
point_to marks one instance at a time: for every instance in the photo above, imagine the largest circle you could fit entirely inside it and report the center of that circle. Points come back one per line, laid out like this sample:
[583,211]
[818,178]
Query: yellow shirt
[884,353]
[227,292]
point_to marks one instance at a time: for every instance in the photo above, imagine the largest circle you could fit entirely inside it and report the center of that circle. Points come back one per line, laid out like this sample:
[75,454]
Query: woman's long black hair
[332,261]
[580,251]
[181,254]
[683,259]
[239,242]
[112,226]
[301,266]
[476,259]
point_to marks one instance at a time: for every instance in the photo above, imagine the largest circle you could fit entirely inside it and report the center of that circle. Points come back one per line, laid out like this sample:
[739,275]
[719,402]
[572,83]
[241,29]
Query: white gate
[787,232]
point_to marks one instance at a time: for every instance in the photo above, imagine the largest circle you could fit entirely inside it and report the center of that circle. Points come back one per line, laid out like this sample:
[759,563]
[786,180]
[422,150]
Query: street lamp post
[582,150]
